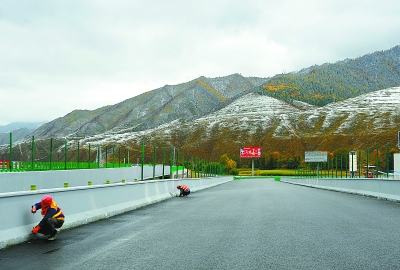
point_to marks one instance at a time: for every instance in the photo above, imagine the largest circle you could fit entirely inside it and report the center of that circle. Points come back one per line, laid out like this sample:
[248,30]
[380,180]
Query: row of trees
[382,158]
[222,147]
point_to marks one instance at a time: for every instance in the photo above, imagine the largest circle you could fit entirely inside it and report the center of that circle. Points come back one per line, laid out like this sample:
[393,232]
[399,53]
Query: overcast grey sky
[58,56]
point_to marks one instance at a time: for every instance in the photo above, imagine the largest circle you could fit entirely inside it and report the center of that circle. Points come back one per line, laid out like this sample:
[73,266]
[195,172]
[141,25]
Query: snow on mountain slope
[382,100]
[249,111]
[373,111]
[254,106]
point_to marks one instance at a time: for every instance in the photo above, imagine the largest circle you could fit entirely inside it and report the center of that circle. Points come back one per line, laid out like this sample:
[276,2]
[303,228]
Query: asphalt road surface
[247,224]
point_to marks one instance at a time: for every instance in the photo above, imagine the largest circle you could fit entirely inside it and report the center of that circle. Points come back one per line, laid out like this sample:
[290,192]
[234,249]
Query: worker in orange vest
[53,217]
[184,190]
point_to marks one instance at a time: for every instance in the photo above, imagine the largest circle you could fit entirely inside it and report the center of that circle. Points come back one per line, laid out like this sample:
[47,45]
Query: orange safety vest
[58,215]
[185,188]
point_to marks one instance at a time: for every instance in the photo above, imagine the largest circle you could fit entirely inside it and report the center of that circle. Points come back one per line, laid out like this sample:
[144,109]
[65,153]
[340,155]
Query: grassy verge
[288,173]
[248,172]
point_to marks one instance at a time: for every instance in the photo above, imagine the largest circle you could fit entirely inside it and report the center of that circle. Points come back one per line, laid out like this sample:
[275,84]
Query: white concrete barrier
[22,181]
[379,188]
[85,204]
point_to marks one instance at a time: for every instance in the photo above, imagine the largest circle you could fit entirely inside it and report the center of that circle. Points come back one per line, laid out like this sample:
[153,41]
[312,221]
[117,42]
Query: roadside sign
[352,163]
[250,152]
[316,156]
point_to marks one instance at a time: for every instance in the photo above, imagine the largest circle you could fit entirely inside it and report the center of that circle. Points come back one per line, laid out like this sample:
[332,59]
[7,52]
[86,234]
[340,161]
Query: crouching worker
[184,190]
[53,217]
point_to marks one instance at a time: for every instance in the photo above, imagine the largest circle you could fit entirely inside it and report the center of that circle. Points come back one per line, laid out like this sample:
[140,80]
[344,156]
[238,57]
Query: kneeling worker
[53,217]
[184,190]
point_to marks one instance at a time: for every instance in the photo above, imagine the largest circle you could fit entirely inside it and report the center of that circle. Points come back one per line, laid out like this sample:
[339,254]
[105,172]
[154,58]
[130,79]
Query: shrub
[234,172]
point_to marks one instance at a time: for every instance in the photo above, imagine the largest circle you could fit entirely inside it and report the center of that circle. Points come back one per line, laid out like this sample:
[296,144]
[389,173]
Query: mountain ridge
[315,86]
[327,83]
[19,131]
[274,125]
[213,116]
[187,100]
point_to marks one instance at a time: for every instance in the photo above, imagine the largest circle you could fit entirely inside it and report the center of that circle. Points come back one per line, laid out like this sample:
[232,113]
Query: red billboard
[250,152]
[4,163]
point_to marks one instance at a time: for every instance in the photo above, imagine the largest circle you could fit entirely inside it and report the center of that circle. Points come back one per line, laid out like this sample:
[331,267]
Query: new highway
[246,224]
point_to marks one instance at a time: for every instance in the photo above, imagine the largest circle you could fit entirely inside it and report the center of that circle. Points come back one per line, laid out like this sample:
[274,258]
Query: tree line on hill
[321,85]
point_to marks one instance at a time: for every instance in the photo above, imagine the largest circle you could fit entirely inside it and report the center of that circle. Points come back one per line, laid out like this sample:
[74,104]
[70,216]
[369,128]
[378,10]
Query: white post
[252,167]
[396,159]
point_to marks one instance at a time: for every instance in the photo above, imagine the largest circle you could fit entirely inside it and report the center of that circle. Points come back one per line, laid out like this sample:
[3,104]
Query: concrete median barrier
[380,188]
[84,204]
[23,181]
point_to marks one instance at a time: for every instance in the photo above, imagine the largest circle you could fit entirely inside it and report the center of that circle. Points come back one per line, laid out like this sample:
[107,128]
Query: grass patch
[248,172]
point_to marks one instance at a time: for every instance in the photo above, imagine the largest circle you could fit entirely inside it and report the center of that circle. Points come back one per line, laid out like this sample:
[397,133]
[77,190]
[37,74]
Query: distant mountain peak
[315,101]
[183,101]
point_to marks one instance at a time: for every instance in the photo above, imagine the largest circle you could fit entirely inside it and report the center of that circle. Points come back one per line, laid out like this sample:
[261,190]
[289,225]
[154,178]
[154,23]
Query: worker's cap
[46,200]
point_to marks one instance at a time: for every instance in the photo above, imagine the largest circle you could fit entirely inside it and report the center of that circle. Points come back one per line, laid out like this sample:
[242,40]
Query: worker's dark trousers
[49,227]
[184,193]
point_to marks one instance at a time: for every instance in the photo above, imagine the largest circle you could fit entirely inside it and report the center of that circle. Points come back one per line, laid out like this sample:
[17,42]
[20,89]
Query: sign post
[398,139]
[251,152]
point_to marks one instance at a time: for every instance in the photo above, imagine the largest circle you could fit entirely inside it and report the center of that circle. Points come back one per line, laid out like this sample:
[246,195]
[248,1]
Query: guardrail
[24,181]
[84,204]
[71,156]
[378,188]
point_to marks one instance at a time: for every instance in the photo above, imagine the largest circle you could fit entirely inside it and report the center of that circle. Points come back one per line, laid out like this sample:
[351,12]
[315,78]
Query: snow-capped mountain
[350,103]
[255,119]
[373,112]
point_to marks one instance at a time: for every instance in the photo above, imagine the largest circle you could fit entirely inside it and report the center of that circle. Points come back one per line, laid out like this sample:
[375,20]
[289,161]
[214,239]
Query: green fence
[370,163]
[108,156]
[19,166]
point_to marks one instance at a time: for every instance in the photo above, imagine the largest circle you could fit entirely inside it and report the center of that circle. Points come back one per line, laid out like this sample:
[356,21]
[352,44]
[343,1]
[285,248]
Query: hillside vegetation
[185,101]
[321,85]
[352,104]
